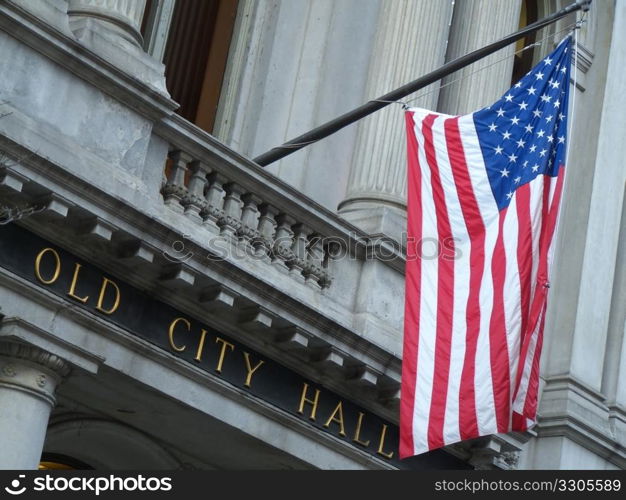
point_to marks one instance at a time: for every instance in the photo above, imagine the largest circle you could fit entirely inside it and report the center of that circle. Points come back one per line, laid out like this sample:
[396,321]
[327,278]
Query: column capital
[30,369]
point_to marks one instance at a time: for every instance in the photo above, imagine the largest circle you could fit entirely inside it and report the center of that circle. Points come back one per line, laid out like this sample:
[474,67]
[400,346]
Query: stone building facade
[168,304]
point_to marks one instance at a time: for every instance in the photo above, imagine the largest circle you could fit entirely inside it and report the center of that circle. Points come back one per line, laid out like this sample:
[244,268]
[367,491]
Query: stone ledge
[564,395]
[71,55]
[571,409]
[588,438]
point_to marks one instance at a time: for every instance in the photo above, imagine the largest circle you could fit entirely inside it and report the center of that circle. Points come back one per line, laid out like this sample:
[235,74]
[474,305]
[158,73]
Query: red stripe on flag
[545,233]
[518,422]
[524,250]
[525,266]
[468,422]
[412,291]
[539,300]
[530,405]
[539,296]
[445,295]
[498,346]
[556,202]
[550,215]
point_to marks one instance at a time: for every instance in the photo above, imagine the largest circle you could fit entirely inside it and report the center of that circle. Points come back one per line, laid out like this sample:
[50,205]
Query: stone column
[28,379]
[410,42]
[120,16]
[477,23]
[111,29]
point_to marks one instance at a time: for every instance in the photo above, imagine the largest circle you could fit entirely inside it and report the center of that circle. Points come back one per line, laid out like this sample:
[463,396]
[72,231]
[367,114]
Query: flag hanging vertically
[483,197]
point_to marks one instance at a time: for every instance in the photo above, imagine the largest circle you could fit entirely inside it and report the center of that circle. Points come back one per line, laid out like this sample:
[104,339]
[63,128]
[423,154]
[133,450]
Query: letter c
[171,333]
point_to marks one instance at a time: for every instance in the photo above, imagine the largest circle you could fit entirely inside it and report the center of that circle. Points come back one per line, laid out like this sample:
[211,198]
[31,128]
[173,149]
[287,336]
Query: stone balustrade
[242,217]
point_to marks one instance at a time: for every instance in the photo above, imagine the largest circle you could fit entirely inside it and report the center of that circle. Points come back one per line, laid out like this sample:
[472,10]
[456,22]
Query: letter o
[61,484]
[130,481]
[57,269]
[155,485]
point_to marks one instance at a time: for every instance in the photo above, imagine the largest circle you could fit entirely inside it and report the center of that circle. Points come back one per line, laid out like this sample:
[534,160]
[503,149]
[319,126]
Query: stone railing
[243,217]
[236,200]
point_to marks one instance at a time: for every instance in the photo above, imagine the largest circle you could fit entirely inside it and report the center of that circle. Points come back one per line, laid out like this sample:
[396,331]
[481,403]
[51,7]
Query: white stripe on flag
[512,290]
[428,309]
[483,382]
[461,284]
[520,398]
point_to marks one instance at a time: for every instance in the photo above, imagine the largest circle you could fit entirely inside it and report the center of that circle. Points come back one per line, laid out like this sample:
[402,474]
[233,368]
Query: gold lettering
[225,345]
[57,266]
[381,444]
[250,369]
[357,433]
[171,333]
[313,402]
[201,345]
[338,420]
[105,283]
[72,292]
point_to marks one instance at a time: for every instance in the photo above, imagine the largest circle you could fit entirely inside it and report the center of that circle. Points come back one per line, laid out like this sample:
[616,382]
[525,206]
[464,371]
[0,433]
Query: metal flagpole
[374,105]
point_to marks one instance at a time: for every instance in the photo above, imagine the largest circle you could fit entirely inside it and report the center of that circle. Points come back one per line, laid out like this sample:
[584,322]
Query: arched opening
[89,443]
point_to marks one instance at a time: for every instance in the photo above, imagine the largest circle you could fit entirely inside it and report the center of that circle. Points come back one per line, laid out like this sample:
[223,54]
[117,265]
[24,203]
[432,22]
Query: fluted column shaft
[112,30]
[125,15]
[28,380]
[477,23]
[410,42]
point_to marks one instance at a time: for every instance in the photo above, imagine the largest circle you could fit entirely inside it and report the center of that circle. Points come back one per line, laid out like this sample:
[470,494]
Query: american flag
[483,197]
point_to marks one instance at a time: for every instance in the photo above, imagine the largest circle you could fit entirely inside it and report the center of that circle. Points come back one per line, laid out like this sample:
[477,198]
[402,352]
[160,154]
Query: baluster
[299,249]
[194,201]
[249,216]
[266,231]
[214,202]
[325,277]
[313,268]
[230,222]
[175,189]
[281,249]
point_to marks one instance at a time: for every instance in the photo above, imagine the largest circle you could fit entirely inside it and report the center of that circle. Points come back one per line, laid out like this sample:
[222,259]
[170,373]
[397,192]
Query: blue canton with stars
[523,135]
